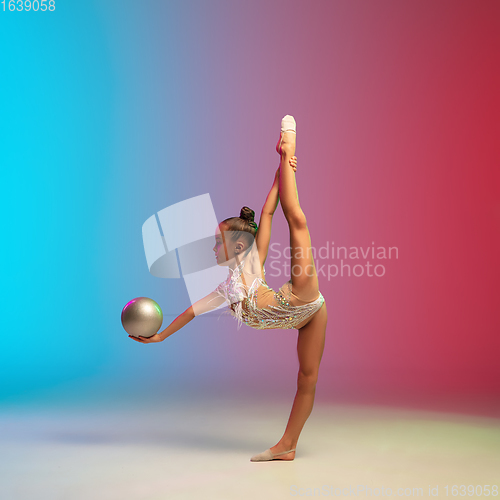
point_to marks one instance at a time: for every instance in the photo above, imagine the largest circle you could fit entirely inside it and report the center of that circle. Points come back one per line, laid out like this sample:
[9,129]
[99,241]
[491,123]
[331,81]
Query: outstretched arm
[212,301]
[181,320]
[266,217]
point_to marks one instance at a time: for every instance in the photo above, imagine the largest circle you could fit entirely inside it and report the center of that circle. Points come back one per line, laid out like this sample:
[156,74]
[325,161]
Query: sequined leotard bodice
[259,306]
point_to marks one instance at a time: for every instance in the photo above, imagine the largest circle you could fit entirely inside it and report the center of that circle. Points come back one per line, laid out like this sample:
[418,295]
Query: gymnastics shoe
[268,455]
[288,124]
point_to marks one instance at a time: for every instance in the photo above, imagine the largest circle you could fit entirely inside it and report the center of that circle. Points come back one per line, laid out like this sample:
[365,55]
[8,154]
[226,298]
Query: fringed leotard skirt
[282,309]
[260,307]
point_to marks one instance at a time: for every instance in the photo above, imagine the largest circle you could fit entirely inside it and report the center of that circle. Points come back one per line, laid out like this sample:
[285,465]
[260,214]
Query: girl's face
[220,248]
[224,247]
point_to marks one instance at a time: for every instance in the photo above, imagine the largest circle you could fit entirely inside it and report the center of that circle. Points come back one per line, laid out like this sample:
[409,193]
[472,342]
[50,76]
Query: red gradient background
[397,115]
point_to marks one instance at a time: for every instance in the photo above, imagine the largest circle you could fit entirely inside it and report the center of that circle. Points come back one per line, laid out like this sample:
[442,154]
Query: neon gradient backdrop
[113,111]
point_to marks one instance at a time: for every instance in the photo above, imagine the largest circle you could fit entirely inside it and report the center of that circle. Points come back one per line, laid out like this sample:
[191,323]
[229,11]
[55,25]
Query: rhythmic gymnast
[242,246]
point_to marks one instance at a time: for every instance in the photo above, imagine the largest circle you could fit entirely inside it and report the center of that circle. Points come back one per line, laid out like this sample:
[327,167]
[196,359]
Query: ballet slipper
[288,124]
[268,455]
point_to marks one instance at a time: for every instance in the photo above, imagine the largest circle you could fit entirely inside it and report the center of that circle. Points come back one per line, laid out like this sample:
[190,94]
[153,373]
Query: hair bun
[247,214]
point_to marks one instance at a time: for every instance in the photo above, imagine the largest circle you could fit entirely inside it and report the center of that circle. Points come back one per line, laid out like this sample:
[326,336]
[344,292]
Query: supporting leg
[310,346]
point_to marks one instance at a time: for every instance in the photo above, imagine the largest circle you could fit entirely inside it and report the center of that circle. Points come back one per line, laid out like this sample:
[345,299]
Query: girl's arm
[181,320]
[263,236]
[208,303]
[212,301]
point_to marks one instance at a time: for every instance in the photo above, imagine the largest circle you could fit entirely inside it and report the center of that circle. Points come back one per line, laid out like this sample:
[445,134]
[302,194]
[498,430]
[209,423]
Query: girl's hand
[147,340]
[293,164]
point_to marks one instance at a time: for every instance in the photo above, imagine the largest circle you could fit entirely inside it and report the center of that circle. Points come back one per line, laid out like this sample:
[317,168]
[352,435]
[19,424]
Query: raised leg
[310,346]
[303,270]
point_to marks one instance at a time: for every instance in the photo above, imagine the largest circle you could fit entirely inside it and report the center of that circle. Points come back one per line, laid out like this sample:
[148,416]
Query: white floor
[201,450]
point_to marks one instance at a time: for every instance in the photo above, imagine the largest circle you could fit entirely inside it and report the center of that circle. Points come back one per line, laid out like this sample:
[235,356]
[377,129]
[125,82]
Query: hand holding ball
[142,317]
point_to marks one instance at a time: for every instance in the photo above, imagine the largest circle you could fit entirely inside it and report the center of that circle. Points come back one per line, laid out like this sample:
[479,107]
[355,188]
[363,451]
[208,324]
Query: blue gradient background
[111,111]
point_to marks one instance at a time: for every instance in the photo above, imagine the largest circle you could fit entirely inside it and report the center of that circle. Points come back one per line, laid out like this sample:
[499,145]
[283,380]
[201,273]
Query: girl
[298,304]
